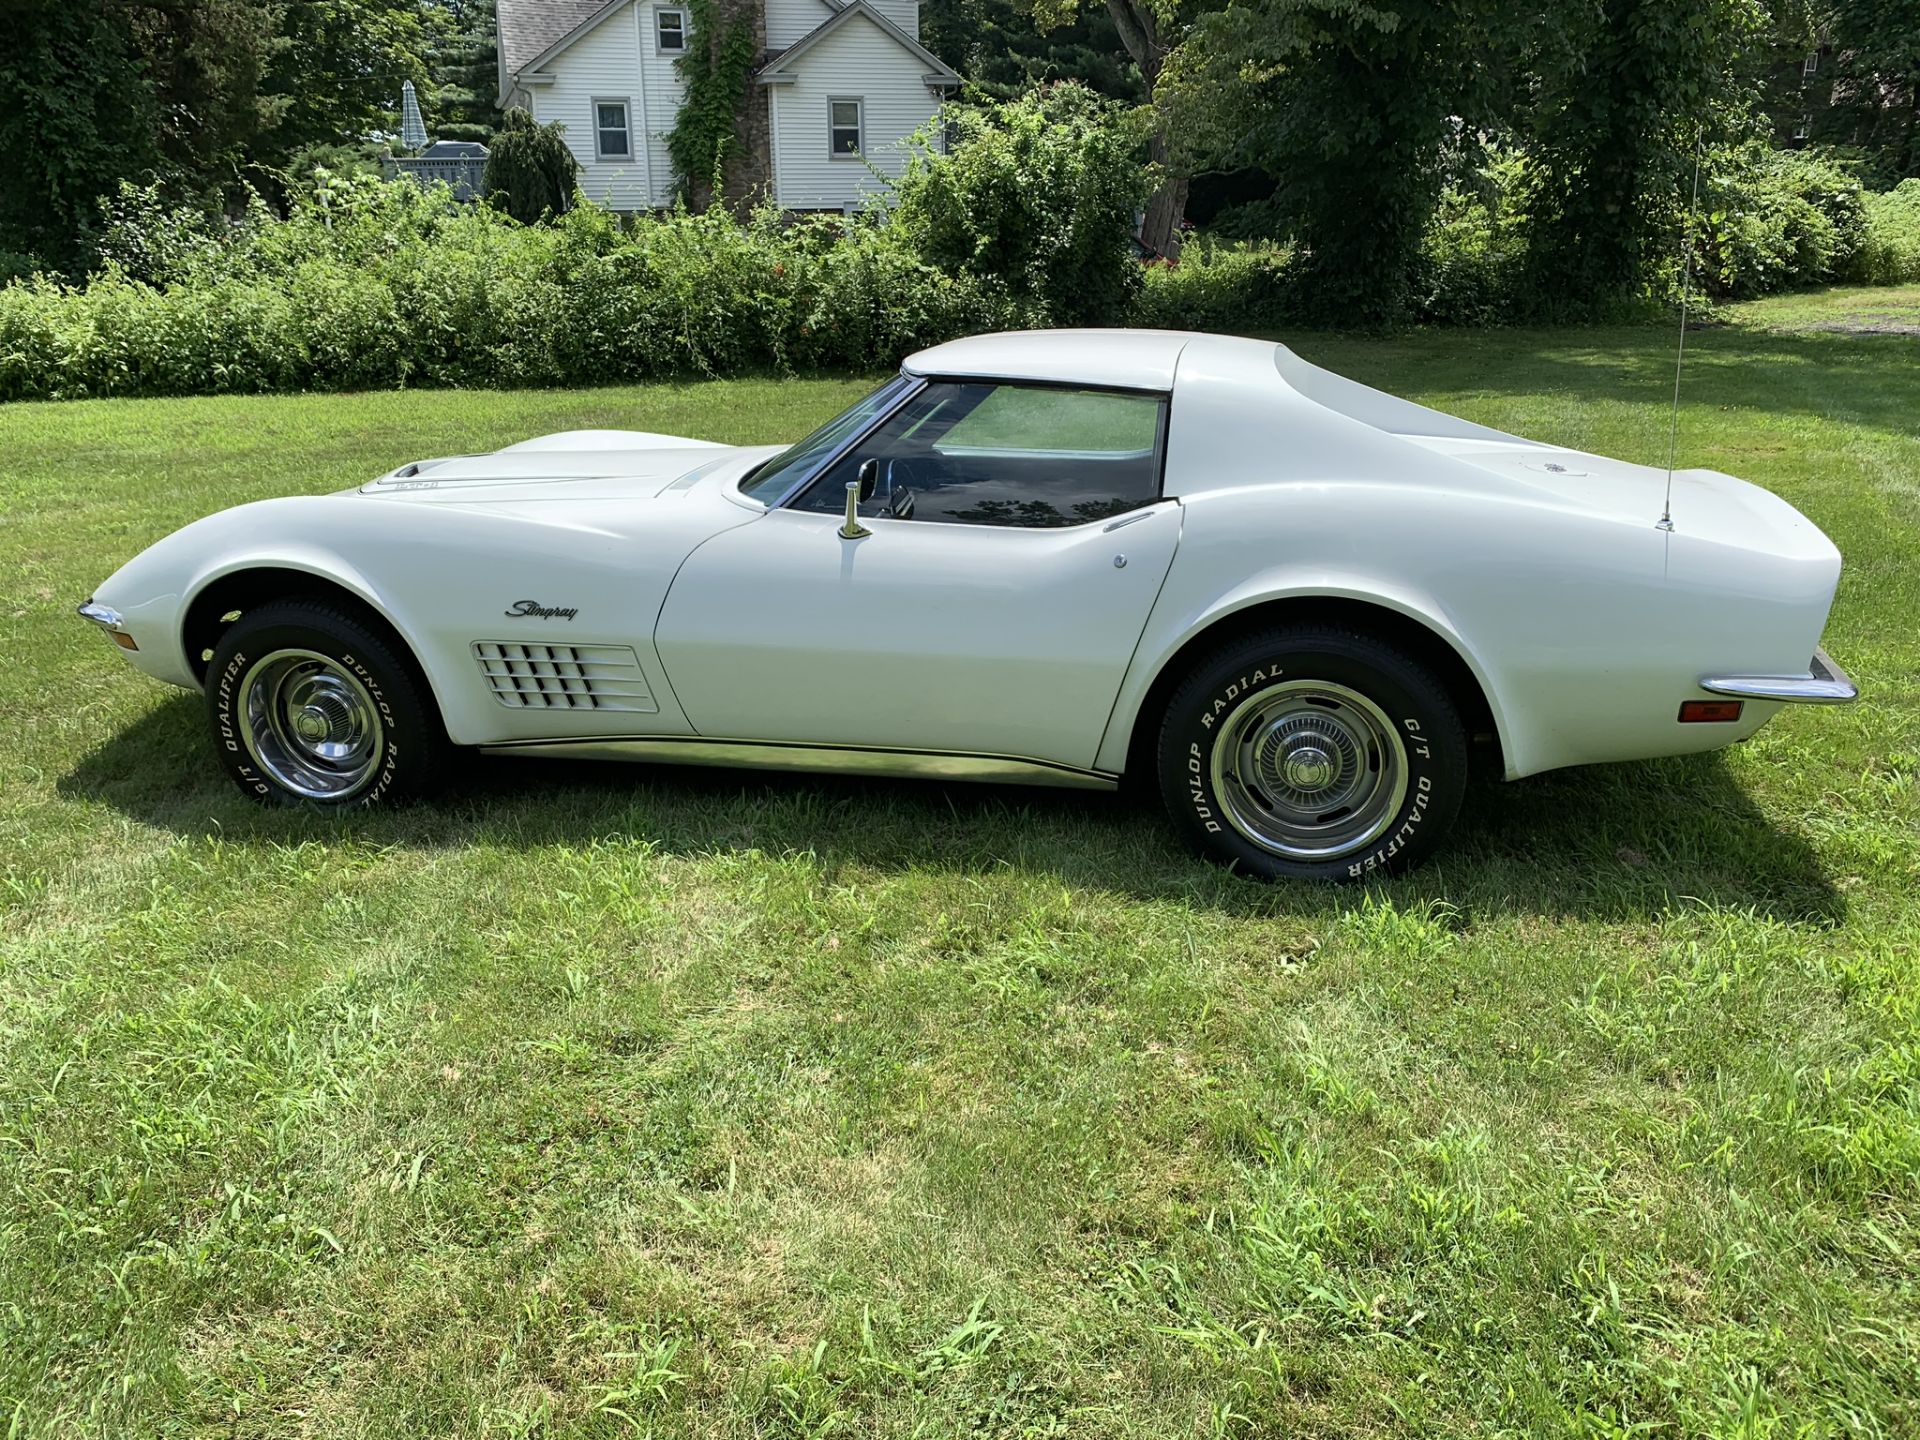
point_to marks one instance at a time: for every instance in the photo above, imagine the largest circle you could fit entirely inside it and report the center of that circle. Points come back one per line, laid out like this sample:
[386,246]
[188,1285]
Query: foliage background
[365,284]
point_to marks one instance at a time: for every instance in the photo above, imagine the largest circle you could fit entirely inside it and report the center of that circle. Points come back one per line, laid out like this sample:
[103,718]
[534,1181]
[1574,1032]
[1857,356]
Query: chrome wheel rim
[1309,770]
[311,725]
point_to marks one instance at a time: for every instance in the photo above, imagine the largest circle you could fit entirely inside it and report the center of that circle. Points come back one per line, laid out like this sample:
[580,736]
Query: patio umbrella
[413,129]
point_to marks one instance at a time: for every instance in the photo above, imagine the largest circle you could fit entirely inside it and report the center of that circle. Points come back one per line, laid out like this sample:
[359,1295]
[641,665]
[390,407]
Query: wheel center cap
[1308,767]
[313,723]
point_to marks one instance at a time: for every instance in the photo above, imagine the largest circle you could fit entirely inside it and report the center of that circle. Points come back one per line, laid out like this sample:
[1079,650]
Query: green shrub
[1472,267]
[369,284]
[1890,252]
[1774,220]
[1217,286]
[1037,197]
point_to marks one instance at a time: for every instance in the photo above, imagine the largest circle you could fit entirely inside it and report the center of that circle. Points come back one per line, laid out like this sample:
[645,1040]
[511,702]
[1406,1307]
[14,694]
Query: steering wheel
[896,496]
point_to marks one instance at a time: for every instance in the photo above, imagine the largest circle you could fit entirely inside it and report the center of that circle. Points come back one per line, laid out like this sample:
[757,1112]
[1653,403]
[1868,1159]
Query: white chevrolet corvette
[1068,556]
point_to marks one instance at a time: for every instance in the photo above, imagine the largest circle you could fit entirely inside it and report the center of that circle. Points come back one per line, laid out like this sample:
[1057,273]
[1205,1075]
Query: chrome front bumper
[1824,684]
[108,619]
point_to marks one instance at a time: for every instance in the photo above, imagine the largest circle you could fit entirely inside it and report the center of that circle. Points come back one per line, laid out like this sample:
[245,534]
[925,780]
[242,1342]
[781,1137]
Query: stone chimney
[748,175]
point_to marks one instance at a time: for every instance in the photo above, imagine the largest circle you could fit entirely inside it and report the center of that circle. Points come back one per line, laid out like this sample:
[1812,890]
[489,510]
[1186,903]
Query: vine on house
[714,69]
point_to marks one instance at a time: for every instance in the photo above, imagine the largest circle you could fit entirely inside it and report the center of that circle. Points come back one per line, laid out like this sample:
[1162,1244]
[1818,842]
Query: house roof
[532,30]
[778,70]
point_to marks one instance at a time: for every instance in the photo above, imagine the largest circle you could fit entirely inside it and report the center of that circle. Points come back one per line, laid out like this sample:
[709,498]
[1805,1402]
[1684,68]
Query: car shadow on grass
[1616,842]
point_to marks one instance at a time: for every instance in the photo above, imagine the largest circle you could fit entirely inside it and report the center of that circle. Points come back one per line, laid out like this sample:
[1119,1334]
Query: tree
[463,70]
[1627,90]
[200,97]
[1004,52]
[1875,109]
[1148,31]
[338,76]
[79,119]
[1349,107]
[530,170]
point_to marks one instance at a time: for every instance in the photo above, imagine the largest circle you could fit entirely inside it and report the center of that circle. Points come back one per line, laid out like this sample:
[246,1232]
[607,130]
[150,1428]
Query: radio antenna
[1680,355]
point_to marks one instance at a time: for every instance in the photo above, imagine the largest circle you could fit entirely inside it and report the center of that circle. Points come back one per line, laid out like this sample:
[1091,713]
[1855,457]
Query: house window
[1811,65]
[843,128]
[670,31]
[612,139]
[1803,127]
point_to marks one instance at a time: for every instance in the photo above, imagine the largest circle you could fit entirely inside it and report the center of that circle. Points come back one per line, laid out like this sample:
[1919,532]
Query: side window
[670,31]
[611,139]
[977,452]
[843,128]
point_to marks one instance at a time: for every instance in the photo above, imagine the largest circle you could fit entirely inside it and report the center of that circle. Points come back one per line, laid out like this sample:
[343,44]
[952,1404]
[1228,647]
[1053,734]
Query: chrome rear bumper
[1824,684]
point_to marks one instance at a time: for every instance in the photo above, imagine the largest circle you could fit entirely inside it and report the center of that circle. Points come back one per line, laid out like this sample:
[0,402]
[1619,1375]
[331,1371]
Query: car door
[1015,542]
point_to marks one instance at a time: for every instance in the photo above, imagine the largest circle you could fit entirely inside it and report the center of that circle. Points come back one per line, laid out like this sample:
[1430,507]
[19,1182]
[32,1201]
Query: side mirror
[857,491]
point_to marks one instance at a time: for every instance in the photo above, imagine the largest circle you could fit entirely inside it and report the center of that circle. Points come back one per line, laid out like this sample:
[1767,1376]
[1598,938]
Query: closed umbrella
[413,129]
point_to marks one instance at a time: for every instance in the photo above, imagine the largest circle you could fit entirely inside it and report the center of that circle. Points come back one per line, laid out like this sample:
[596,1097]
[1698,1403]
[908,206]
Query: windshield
[787,469]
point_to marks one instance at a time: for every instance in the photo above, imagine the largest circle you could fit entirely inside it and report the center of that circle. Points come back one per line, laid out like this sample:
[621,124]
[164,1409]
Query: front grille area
[564,677]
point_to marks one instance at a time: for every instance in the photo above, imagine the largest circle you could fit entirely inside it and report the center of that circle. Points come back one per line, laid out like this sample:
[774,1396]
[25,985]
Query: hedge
[370,285]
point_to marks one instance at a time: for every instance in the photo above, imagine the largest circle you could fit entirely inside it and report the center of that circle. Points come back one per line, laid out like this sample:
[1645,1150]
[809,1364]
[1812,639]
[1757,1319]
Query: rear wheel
[309,706]
[1314,752]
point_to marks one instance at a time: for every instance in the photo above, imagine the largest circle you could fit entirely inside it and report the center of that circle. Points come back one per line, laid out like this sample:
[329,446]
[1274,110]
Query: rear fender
[1165,639]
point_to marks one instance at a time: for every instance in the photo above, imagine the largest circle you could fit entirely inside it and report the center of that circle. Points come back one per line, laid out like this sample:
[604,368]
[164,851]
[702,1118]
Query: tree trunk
[1167,206]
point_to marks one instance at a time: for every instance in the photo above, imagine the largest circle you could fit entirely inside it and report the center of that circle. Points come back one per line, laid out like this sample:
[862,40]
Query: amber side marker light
[123,640]
[1708,712]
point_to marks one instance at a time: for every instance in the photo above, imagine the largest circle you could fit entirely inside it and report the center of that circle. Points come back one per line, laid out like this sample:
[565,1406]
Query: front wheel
[1313,752]
[309,706]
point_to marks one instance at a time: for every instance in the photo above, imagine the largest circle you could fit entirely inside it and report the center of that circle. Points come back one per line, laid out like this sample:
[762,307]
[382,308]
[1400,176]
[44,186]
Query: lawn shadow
[1618,842]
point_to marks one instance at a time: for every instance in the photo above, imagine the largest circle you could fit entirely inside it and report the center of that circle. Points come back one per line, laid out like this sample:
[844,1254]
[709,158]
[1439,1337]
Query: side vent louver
[564,677]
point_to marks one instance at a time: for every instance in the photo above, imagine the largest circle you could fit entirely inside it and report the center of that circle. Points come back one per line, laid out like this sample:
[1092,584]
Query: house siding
[605,64]
[665,90]
[856,61]
[789,20]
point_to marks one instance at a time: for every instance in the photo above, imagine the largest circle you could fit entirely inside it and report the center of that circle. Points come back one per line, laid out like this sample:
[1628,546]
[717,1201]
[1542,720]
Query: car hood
[574,465]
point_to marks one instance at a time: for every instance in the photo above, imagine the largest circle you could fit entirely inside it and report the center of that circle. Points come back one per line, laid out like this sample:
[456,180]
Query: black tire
[316,664]
[1250,734]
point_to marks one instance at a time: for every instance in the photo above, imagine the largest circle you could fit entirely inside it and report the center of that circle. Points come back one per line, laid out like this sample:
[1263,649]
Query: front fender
[155,591]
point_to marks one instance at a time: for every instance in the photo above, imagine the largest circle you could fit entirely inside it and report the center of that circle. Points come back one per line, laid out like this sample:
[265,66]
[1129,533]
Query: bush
[1472,268]
[370,284]
[1219,287]
[367,283]
[1774,220]
[1890,252]
[1037,198]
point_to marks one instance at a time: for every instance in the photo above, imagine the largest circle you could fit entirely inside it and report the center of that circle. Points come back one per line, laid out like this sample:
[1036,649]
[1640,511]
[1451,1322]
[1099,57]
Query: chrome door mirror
[858,490]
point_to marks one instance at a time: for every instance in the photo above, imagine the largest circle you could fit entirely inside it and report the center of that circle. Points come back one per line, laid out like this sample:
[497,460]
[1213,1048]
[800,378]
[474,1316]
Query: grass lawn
[627,1102]
[1883,310]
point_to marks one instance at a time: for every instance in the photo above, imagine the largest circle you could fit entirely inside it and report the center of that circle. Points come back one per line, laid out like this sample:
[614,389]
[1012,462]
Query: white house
[838,87]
